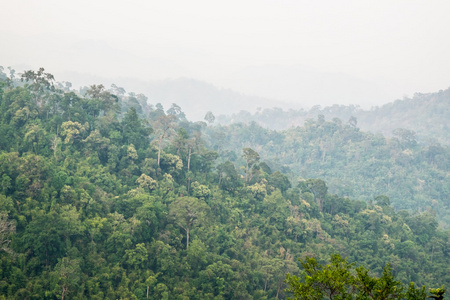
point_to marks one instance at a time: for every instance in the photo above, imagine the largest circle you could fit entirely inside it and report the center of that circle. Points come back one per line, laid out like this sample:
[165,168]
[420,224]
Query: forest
[106,196]
[425,114]
[354,163]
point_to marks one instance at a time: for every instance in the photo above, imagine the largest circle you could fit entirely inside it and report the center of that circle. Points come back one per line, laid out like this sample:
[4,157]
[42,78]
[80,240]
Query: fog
[300,52]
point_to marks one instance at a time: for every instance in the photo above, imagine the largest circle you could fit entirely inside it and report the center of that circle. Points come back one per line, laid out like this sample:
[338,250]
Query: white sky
[401,47]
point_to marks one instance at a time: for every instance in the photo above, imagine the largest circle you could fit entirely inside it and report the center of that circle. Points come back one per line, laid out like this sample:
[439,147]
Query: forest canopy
[104,195]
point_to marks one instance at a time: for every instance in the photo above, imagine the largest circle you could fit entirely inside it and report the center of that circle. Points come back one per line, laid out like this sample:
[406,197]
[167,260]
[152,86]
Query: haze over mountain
[195,97]
[300,52]
[426,115]
[308,86]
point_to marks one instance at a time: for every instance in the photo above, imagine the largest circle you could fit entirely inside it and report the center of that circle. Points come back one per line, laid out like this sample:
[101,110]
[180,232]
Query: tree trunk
[188,168]
[159,149]
[319,202]
[246,173]
[187,237]
[64,290]
[189,159]
[278,290]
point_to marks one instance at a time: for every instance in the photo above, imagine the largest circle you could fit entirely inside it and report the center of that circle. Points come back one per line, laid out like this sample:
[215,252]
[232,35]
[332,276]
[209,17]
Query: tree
[318,188]
[73,131]
[188,211]
[228,176]
[352,121]
[101,100]
[385,287]
[41,83]
[67,272]
[406,137]
[146,182]
[209,117]
[251,157]
[7,228]
[69,102]
[438,293]
[34,135]
[175,110]
[382,200]
[414,293]
[280,181]
[134,131]
[339,279]
[332,281]
[163,127]
[137,257]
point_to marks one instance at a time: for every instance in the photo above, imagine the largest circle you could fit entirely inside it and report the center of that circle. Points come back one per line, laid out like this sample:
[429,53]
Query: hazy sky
[398,47]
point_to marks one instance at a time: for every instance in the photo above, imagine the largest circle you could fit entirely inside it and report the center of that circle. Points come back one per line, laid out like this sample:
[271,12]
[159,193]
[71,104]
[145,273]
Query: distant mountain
[426,114]
[308,86]
[195,97]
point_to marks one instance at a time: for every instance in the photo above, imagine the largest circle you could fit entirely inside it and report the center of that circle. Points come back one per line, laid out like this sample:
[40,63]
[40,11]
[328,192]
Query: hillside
[425,114]
[355,164]
[106,196]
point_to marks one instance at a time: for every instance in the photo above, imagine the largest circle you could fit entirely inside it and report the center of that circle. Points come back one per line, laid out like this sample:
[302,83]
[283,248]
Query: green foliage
[438,293]
[355,164]
[97,204]
[333,281]
[341,280]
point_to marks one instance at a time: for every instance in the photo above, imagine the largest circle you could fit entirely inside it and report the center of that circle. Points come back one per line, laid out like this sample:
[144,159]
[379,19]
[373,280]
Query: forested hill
[425,114]
[106,196]
[354,163]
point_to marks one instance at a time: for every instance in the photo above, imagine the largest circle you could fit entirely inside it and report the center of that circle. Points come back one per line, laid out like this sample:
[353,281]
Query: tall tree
[318,188]
[163,127]
[188,211]
[134,130]
[209,117]
[67,273]
[41,85]
[100,100]
[251,158]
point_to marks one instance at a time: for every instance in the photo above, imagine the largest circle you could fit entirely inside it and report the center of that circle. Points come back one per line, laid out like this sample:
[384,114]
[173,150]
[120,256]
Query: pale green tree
[187,212]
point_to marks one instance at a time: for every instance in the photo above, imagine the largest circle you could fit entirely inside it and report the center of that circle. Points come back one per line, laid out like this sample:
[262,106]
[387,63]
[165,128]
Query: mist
[300,53]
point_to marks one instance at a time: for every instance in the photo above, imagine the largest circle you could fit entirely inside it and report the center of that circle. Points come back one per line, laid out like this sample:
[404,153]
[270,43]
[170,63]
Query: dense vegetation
[105,196]
[340,279]
[355,164]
